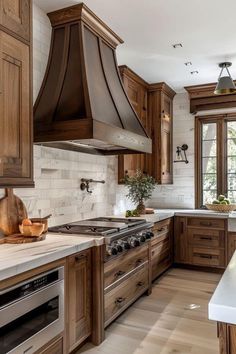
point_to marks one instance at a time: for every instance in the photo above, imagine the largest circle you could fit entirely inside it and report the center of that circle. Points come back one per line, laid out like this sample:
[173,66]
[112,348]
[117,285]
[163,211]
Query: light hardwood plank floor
[173,319]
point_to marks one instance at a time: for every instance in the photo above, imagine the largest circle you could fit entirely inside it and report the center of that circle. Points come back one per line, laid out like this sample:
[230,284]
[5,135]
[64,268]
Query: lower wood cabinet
[227,338]
[200,241]
[161,248]
[231,245]
[79,298]
[126,292]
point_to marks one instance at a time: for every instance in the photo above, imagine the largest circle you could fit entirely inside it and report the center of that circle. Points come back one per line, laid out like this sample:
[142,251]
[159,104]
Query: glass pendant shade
[225,84]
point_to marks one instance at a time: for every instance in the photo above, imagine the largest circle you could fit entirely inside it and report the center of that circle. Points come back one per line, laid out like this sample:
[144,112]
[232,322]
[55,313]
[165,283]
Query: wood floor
[173,319]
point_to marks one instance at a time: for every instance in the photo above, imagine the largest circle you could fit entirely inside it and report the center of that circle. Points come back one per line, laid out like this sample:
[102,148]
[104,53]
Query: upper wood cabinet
[79,294]
[15,17]
[154,107]
[15,111]
[136,89]
[160,105]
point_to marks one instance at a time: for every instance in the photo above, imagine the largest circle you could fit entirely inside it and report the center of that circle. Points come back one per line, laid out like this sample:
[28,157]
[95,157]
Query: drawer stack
[161,247]
[201,241]
[206,239]
[126,278]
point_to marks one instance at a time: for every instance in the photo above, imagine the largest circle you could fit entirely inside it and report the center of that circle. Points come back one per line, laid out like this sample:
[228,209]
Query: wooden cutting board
[18,238]
[12,212]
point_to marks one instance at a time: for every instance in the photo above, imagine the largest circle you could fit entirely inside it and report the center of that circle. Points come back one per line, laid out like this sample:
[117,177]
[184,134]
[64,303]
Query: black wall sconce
[181,153]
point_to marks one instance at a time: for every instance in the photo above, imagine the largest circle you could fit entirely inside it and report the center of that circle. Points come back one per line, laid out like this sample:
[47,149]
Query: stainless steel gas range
[121,234]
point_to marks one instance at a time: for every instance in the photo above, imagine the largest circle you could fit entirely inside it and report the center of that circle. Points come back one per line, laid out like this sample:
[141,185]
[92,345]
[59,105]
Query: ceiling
[150,27]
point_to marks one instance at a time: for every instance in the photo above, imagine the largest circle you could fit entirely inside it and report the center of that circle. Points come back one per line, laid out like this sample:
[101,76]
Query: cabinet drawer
[163,225]
[207,257]
[206,237]
[126,262]
[120,297]
[163,263]
[160,248]
[163,237]
[206,222]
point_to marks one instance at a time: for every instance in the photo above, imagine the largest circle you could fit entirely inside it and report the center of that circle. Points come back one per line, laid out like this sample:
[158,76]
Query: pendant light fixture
[225,84]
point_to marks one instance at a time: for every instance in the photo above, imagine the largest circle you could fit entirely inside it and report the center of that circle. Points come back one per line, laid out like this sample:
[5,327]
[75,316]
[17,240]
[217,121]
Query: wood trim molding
[162,87]
[202,98]
[126,71]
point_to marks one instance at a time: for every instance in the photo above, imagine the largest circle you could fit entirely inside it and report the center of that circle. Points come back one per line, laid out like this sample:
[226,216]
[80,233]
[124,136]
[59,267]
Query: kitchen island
[222,308]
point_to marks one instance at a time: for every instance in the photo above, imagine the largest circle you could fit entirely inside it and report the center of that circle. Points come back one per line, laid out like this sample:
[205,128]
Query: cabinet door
[79,298]
[166,150]
[180,240]
[129,164]
[231,245]
[15,17]
[15,113]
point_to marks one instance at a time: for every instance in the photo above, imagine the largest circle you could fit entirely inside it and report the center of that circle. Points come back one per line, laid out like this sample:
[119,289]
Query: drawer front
[126,262]
[163,225]
[120,297]
[206,237]
[207,257]
[206,222]
[160,248]
[163,237]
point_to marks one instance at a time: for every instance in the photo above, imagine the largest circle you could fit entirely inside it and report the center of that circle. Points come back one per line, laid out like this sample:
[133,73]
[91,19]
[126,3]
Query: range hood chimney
[82,102]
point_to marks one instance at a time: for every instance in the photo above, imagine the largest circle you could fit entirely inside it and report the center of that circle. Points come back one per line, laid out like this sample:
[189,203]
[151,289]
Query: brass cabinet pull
[205,238]
[79,258]
[139,261]
[119,273]
[120,300]
[140,283]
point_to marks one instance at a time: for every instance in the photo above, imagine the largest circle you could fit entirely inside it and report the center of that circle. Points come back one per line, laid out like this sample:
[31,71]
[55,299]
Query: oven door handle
[17,309]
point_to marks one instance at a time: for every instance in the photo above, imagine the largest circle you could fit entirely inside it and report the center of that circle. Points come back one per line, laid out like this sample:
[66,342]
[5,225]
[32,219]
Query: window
[215,158]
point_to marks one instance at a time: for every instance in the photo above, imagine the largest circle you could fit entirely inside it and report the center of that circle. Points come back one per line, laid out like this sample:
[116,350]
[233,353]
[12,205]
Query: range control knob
[135,242]
[112,251]
[142,238]
[127,245]
[119,248]
[149,235]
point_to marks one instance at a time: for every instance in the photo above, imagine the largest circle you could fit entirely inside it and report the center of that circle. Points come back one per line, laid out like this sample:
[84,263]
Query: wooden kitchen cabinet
[136,89]
[231,245]
[161,248]
[154,107]
[200,241]
[227,338]
[180,240]
[160,108]
[79,295]
[16,149]
[15,17]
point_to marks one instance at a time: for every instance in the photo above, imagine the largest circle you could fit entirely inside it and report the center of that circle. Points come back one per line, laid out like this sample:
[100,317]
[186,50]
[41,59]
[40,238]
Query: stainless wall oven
[32,313]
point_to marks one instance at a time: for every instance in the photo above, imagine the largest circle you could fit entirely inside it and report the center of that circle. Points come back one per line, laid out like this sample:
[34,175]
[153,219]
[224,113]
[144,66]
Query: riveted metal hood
[82,102]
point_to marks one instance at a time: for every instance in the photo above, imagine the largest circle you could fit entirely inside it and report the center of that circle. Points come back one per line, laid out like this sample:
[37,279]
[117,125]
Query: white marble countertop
[16,259]
[222,306]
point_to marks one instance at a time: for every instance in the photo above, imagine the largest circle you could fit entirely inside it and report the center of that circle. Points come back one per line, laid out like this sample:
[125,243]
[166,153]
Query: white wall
[58,173]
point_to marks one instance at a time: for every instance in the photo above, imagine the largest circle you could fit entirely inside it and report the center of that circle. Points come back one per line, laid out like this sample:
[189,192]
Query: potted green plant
[140,188]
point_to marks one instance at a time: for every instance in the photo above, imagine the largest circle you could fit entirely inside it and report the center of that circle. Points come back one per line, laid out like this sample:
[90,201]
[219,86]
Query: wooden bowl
[34,230]
[41,221]
[221,208]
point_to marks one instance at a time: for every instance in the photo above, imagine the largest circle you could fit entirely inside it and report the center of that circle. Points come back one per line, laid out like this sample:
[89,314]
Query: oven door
[26,325]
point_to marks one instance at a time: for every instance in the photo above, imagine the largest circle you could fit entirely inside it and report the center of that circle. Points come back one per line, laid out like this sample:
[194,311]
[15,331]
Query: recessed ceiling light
[194,72]
[188,63]
[177,45]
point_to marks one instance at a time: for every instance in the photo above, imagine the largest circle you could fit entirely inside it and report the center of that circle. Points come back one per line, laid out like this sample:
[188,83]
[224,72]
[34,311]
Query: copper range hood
[82,103]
